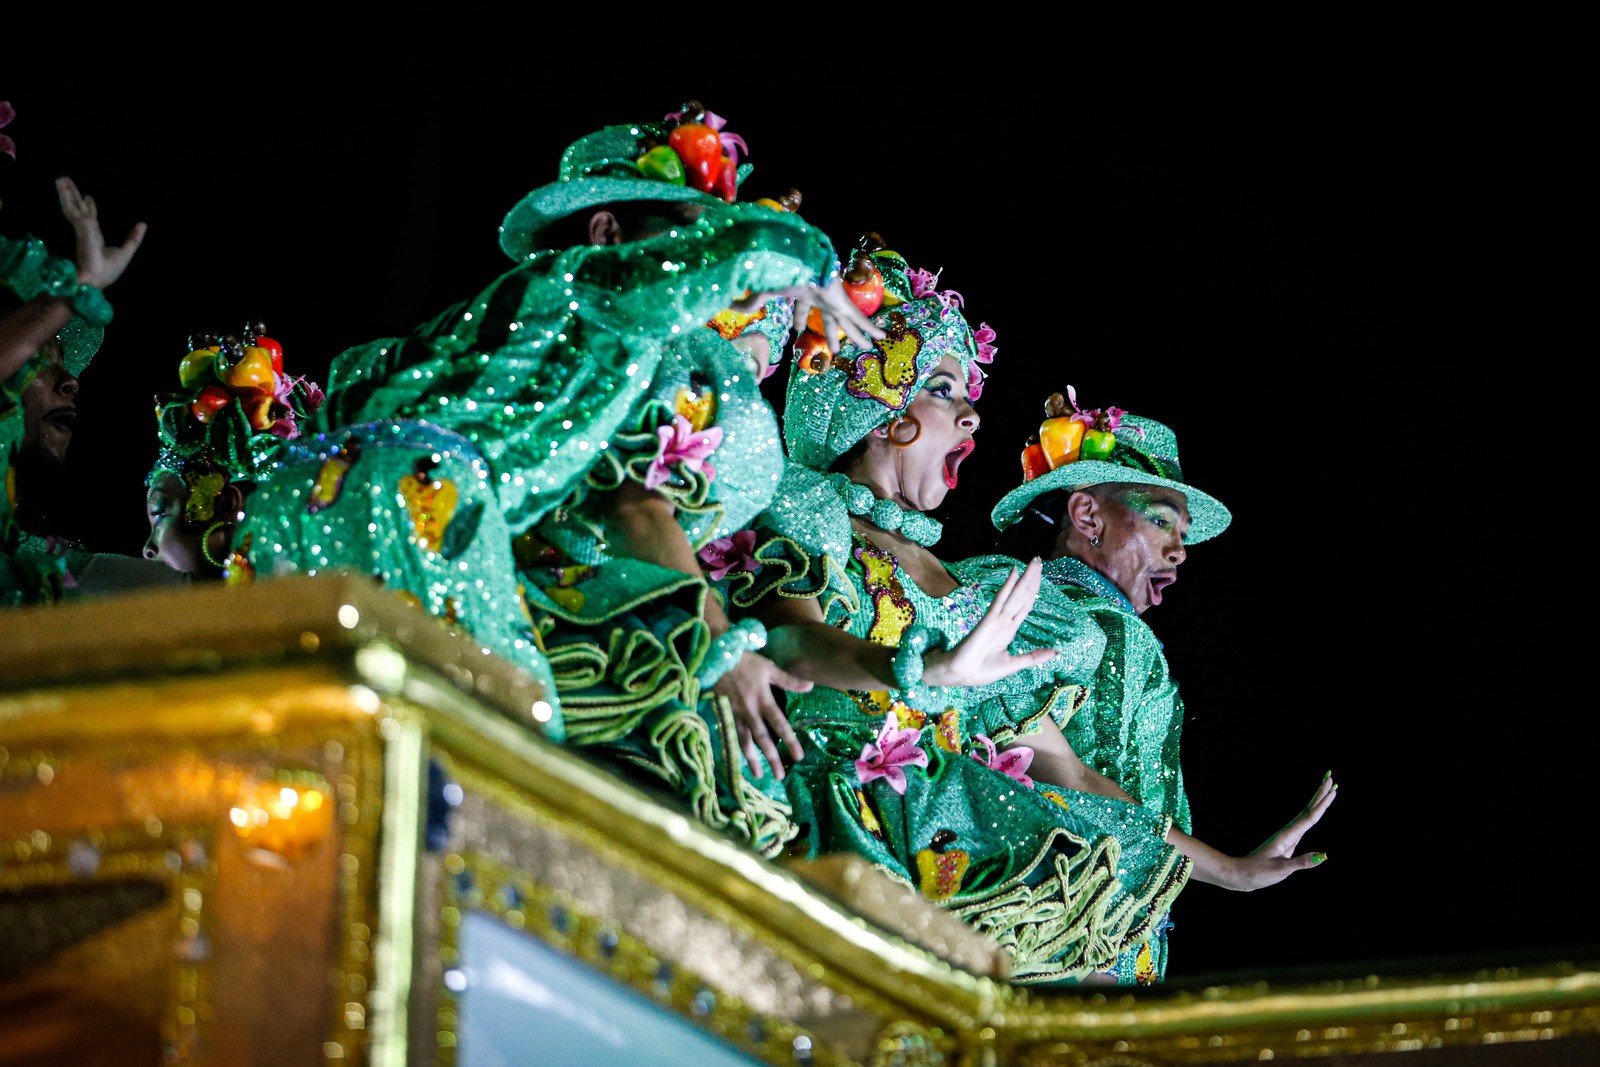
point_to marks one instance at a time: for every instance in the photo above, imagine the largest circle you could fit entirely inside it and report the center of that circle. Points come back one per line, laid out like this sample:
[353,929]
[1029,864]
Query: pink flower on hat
[7,113]
[983,337]
[894,748]
[925,283]
[1013,762]
[682,443]
[725,554]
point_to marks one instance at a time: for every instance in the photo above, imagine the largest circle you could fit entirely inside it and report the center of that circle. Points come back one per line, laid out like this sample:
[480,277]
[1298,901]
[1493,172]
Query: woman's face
[173,540]
[927,468]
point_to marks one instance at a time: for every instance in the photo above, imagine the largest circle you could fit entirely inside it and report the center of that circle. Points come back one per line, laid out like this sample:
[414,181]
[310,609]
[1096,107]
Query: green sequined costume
[1067,885]
[36,569]
[572,372]
[912,779]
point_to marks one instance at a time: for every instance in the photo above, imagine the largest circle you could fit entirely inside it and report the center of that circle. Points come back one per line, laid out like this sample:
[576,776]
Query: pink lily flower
[894,748]
[725,554]
[7,113]
[1013,762]
[983,336]
[680,443]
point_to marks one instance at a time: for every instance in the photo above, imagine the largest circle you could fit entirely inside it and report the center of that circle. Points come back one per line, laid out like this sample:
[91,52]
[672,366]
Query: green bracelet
[746,635]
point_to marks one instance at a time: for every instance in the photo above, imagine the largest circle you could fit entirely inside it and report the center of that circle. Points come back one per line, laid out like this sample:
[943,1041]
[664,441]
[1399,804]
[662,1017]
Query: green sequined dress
[1049,883]
[1126,726]
[579,369]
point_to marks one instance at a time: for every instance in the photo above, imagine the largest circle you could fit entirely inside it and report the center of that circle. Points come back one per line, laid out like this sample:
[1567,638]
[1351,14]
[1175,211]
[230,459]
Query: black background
[1302,277]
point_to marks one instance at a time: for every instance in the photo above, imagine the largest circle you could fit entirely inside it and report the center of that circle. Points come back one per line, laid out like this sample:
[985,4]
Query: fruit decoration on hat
[1069,433]
[702,154]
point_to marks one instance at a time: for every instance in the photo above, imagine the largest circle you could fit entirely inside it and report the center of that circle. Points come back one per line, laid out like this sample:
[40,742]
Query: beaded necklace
[888,515]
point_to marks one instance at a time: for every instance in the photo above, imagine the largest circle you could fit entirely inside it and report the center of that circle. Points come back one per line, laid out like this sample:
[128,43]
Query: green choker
[888,515]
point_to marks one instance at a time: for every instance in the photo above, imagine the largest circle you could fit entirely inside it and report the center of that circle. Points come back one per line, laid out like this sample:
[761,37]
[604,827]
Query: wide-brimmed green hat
[1146,452]
[607,167]
[833,402]
[27,270]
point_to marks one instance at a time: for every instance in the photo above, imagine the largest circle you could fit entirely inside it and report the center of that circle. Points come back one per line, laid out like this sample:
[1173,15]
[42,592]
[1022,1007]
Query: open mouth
[953,458]
[1158,582]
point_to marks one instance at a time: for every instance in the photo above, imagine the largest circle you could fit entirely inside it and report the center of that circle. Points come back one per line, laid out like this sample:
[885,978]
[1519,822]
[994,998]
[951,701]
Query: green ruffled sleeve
[803,543]
[1017,704]
[542,369]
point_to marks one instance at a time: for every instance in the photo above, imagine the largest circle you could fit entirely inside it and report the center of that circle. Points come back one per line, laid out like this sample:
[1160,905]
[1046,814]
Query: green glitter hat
[234,408]
[27,270]
[1144,451]
[834,401]
[684,157]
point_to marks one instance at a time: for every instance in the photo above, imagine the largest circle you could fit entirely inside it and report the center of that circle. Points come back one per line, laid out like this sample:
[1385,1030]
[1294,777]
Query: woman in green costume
[622,430]
[912,733]
[53,315]
[1105,505]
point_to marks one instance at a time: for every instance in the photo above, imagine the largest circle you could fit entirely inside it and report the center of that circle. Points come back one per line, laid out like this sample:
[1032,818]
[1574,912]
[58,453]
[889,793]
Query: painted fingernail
[1318,857]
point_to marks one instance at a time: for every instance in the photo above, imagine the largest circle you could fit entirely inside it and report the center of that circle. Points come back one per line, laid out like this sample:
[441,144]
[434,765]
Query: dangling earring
[205,544]
[893,430]
[1094,542]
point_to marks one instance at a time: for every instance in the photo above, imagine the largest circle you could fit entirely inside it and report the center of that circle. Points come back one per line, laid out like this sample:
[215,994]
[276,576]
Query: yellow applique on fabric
[432,504]
[889,373]
[330,478]
[1144,968]
[869,818]
[730,323]
[700,409]
[940,873]
[947,734]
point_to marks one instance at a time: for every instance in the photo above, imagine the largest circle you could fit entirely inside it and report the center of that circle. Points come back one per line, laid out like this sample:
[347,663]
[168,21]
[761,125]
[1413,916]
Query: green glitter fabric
[32,569]
[572,372]
[552,360]
[407,503]
[1124,722]
[1069,885]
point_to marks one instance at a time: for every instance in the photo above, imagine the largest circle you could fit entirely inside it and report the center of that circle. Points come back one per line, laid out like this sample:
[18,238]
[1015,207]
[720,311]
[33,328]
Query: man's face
[49,408]
[1143,542]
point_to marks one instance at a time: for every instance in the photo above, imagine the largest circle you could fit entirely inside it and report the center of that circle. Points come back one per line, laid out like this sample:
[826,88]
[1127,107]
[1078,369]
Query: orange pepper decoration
[1061,433]
[941,868]
[432,503]
[1034,462]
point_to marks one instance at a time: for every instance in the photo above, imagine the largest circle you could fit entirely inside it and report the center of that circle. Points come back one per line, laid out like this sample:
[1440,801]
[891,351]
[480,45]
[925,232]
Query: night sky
[1274,274]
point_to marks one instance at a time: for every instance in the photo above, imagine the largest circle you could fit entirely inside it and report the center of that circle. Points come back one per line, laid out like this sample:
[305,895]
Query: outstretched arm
[1055,761]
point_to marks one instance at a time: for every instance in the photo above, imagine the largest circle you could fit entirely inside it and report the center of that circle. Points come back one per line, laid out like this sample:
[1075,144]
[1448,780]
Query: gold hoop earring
[205,544]
[894,428]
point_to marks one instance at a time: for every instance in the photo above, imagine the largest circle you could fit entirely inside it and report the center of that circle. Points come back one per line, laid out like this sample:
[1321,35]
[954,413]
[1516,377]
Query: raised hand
[99,264]
[839,312]
[1274,859]
[762,722]
[983,656]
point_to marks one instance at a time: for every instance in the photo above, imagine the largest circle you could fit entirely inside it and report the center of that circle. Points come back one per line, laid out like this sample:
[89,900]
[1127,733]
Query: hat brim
[519,232]
[1207,515]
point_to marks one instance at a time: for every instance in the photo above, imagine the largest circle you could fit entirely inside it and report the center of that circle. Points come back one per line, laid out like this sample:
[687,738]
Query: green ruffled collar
[1066,570]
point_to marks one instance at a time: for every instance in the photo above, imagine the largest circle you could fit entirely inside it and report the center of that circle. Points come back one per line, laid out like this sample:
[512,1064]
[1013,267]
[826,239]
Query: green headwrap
[831,403]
